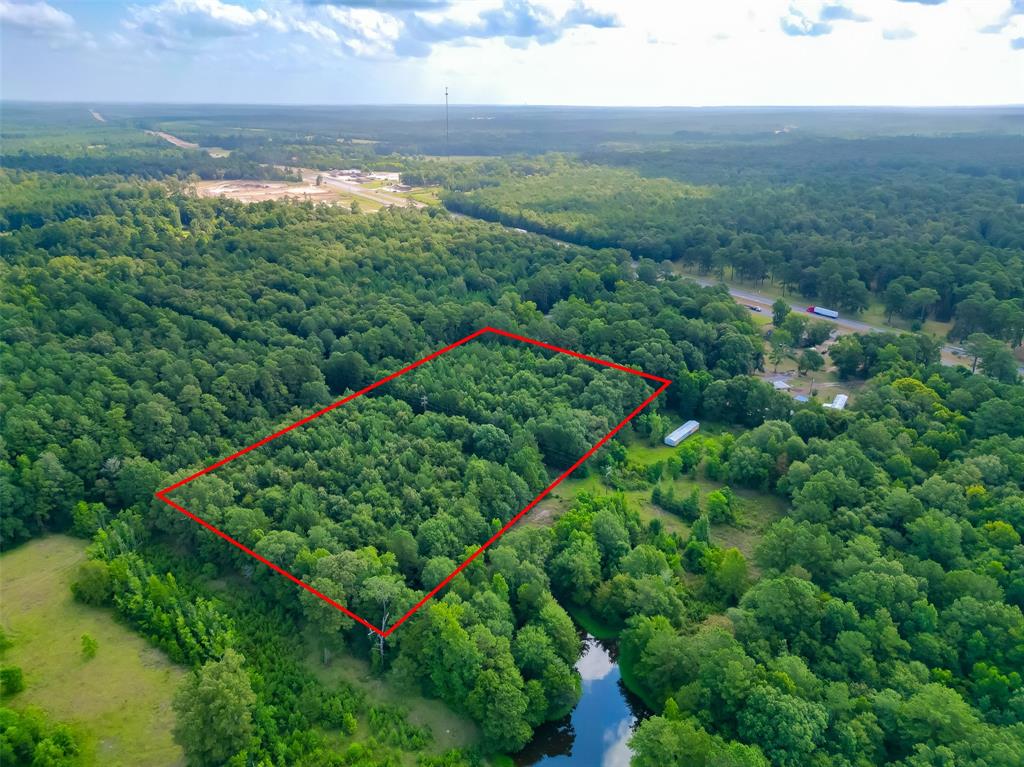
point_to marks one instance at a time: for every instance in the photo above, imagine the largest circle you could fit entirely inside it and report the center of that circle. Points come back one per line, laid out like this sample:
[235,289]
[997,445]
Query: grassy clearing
[364,204]
[449,729]
[826,382]
[428,195]
[563,497]
[757,511]
[120,701]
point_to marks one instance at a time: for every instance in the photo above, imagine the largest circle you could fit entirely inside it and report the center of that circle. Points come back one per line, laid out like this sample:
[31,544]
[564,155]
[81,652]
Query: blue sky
[601,52]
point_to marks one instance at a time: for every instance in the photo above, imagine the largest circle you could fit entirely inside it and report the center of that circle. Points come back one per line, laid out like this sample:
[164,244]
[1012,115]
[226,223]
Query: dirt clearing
[260,191]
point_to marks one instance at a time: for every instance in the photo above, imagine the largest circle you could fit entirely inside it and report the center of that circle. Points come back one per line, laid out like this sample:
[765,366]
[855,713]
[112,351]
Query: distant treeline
[145,164]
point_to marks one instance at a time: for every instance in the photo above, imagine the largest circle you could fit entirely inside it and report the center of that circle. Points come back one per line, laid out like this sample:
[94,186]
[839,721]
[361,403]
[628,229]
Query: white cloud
[39,18]
[1009,25]
[365,31]
[801,22]
[702,52]
[387,30]
[1015,8]
[316,30]
[183,23]
[519,23]
[900,33]
[42,20]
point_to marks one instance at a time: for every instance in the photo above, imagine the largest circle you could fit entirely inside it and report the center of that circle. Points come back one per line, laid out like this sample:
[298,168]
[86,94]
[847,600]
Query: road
[951,355]
[764,301]
[355,189]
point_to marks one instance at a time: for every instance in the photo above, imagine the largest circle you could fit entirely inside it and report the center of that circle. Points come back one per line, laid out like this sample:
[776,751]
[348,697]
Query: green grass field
[428,195]
[120,701]
[449,729]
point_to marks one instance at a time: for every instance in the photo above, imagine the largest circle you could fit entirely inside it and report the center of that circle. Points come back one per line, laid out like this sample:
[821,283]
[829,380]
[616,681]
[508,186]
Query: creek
[596,732]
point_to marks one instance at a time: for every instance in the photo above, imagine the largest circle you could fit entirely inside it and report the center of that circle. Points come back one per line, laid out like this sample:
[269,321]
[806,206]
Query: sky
[570,52]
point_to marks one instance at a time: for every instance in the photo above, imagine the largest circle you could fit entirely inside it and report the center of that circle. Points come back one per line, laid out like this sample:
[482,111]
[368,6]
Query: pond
[597,731]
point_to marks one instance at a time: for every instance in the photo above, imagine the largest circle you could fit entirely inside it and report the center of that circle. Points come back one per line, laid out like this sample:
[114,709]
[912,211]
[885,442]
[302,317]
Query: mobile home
[687,429]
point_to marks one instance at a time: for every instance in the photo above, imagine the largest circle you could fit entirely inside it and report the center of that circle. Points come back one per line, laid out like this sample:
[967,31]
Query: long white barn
[687,429]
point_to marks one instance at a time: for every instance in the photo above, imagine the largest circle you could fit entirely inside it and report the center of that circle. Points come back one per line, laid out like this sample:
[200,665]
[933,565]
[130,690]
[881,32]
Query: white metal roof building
[838,403]
[687,429]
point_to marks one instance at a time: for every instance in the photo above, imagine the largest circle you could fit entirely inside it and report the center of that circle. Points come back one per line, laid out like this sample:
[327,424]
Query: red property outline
[162,494]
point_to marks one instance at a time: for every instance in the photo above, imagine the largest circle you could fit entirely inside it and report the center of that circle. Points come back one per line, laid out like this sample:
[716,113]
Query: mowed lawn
[120,701]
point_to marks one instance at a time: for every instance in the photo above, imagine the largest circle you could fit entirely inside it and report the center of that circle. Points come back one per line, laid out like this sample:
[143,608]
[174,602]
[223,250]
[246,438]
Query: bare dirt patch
[260,191]
[542,516]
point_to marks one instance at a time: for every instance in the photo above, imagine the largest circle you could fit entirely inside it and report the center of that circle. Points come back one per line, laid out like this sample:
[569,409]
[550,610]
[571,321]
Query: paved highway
[951,355]
[765,301]
[356,189]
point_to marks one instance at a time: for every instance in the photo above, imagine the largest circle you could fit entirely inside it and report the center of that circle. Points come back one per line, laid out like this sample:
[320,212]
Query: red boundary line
[162,494]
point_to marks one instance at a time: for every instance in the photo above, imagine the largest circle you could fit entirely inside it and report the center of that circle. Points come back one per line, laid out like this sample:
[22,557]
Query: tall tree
[780,310]
[214,708]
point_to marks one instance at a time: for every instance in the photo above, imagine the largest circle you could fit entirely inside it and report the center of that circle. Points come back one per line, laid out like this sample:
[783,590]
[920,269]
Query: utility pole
[447,151]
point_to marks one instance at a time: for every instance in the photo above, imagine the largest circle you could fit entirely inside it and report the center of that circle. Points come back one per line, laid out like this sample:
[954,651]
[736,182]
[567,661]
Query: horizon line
[699,107]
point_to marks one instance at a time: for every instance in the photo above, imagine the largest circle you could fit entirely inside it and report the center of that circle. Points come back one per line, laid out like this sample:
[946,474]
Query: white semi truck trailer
[821,311]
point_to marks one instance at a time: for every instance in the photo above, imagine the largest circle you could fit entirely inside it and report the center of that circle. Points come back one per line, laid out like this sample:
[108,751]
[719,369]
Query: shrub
[89,647]
[92,583]
[390,725]
[11,680]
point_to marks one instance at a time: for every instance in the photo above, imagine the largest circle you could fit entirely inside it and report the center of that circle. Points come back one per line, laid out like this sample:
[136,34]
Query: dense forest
[919,216]
[875,618]
[162,330]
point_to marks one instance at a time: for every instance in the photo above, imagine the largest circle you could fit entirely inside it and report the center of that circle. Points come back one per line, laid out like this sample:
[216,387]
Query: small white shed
[687,429]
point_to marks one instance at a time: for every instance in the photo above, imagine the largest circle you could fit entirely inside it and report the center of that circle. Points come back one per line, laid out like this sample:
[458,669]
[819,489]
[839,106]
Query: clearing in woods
[260,191]
[120,701]
[449,729]
[756,510]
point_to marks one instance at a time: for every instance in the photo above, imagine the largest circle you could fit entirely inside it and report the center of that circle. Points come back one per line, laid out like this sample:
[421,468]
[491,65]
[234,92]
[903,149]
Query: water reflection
[597,732]
[595,665]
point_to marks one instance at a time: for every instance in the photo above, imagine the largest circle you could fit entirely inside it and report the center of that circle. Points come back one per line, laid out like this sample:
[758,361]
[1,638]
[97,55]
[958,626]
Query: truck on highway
[821,311]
